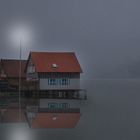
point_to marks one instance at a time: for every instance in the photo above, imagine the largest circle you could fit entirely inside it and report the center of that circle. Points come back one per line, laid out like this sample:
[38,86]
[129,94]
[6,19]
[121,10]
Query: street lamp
[20,34]
[20,66]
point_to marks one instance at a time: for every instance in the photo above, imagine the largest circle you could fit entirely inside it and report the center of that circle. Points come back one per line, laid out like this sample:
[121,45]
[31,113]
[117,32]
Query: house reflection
[50,92]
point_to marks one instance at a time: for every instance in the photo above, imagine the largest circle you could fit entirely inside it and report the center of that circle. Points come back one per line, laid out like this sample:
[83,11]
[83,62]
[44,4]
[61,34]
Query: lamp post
[20,66]
[19,34]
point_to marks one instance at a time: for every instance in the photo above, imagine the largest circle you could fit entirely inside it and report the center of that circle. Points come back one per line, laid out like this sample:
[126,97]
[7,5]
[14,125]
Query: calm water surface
[112,112]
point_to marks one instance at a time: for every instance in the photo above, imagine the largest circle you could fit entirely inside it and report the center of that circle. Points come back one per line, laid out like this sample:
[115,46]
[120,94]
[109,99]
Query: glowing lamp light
[20,135]
[19,132]
[20,32]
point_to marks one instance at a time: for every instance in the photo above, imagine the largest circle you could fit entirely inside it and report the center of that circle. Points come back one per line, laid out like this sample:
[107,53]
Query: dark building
[9,72]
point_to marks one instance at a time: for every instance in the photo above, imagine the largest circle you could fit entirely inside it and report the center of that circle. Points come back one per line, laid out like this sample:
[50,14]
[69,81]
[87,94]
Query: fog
[110,112]
[104,34]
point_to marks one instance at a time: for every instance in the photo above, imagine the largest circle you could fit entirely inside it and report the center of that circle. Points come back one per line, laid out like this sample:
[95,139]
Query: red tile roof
[64,62]
[11,67]
[55,120]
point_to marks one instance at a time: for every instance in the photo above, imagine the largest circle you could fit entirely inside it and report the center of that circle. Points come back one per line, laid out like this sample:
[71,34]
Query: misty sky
[105,34]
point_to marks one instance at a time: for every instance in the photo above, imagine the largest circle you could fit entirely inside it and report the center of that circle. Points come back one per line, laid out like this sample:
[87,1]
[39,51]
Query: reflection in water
[111,112]
[19,131]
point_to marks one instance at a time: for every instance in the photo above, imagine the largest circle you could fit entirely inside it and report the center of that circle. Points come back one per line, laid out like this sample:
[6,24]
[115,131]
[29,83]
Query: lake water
[111,112]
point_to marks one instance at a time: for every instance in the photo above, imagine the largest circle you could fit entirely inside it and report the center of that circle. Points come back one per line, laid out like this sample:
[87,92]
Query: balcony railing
[64,94]
[48,94]
[36,109]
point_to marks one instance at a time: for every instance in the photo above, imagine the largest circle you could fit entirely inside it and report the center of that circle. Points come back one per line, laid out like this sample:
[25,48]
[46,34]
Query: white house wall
[74,84]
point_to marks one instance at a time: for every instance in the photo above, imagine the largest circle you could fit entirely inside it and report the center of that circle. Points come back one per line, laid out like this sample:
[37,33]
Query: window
[31,69]
[52,105]
[54,65]
[52,81]
[65,81]
[58,81]
[64,105]
[58,105]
